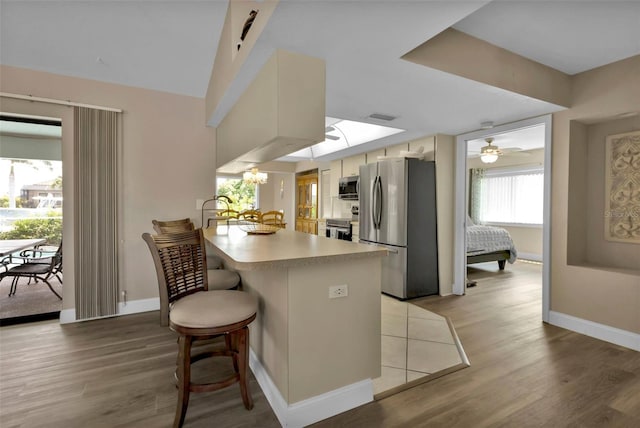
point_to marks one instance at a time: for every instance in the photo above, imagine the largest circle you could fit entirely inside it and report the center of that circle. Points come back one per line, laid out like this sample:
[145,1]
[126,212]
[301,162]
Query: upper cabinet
[336,173]
[394,151]
[372,157]
[428,144]
[351,165]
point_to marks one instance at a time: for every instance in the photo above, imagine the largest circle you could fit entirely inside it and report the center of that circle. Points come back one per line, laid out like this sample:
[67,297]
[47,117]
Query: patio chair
[42,254]
[37,269]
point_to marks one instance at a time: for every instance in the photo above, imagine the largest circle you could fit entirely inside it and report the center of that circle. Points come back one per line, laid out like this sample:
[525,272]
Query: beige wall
[168,161]
[603,295]
[527,240]
[445,157]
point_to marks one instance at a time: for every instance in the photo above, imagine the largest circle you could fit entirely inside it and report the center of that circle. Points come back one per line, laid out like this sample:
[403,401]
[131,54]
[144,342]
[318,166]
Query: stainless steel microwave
[348,188]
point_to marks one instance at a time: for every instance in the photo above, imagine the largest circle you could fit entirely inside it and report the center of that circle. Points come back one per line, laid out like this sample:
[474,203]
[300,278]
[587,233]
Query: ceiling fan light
[489,157]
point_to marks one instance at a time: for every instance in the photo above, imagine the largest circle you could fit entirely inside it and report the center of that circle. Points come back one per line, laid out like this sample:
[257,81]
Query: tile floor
[416,344]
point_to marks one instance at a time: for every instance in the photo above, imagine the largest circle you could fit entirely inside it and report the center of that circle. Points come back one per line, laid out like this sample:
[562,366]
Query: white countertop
[284,248]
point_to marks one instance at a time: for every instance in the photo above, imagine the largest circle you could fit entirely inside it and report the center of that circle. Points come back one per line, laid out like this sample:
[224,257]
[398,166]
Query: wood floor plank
[118,372]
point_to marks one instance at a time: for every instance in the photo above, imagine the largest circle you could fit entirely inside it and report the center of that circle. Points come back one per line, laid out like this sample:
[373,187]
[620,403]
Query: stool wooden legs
[184,378]
[237,347]
[242,343]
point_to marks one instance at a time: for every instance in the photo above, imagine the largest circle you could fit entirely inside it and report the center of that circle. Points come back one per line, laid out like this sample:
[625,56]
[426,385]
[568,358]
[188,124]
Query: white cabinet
[351,165]
[372,157]
[427,144]
[336,173]
[394,151]
[322,227]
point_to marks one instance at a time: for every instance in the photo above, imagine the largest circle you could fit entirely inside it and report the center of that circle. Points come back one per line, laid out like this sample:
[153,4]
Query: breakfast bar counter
[314,356]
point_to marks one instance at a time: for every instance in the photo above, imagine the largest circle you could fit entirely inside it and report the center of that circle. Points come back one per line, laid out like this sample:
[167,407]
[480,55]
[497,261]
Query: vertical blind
[511,196]
[96,209]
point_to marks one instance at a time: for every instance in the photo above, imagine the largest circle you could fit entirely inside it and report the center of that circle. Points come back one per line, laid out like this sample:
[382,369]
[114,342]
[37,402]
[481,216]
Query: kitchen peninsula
[314,356]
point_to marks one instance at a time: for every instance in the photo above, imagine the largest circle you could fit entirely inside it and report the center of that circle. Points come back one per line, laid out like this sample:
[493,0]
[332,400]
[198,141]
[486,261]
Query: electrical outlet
[336,291]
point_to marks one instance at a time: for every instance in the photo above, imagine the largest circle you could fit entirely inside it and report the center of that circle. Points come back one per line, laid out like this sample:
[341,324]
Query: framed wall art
[622,187]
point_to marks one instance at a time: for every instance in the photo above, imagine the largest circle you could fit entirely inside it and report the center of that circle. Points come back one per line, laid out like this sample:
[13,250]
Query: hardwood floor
[523,373]
[119,372]
[114,372]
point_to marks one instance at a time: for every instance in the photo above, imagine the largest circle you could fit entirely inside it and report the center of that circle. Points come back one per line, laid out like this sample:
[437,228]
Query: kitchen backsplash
[341,208]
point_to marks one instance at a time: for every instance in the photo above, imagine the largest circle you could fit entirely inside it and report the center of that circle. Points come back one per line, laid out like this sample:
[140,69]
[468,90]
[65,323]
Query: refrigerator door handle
[378,201]
[373,203]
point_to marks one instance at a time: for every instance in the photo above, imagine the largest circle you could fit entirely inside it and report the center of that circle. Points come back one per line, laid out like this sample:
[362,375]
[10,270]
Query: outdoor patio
[30,299]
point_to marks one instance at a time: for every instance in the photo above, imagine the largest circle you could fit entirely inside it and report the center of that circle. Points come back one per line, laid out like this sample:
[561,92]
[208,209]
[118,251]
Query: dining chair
[275,218]
[218,277]
[37,269]
[196,313]
[230,214]
[254,216]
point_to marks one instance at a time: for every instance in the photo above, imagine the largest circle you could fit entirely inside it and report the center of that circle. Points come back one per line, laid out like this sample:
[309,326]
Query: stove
[339,228]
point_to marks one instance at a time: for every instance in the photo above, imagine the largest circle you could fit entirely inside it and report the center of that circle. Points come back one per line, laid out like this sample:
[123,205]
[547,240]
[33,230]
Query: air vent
[379,116]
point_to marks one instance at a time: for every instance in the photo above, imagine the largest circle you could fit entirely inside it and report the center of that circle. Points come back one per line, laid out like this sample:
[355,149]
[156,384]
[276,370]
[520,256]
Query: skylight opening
[343,134]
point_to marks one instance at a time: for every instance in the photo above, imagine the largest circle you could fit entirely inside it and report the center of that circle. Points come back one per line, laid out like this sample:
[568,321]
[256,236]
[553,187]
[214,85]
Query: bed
[488,244]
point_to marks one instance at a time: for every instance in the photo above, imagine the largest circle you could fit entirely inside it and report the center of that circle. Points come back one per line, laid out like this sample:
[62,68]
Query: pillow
[469,221]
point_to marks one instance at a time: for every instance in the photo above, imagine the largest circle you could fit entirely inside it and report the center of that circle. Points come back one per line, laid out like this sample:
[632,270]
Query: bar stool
[218,277]
[195,313]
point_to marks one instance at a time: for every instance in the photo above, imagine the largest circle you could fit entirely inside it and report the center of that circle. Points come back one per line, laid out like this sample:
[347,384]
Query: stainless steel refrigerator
[398,212]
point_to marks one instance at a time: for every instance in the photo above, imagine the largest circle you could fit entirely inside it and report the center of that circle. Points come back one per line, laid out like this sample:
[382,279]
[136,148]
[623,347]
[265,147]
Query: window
[30,178]
[243,195]
[511,196]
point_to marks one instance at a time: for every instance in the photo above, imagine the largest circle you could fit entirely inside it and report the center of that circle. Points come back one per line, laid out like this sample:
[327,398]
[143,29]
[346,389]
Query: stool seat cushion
[213,309]
[222,279]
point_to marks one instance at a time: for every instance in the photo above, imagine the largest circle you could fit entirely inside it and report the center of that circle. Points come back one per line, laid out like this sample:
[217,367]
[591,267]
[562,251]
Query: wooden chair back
[172,226]
[181,266]
[251,215]
[228,213]
[275,218]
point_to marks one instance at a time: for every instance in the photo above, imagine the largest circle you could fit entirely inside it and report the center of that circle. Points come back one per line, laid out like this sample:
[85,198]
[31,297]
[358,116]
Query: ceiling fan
[491,153]
[328,136]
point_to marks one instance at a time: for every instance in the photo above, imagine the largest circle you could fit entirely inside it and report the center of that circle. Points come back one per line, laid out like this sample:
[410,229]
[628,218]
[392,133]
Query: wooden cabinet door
[307,203]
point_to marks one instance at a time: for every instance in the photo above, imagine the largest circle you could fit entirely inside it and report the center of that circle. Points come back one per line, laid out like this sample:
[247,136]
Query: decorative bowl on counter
[255,228]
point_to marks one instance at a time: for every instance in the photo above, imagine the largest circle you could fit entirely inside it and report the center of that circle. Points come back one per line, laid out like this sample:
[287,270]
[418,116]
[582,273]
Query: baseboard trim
[593,329]
[68,316]
[309,411]
[530,256]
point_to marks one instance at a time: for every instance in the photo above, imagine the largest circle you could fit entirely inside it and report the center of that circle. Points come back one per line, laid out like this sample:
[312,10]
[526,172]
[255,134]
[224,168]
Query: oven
[339,228]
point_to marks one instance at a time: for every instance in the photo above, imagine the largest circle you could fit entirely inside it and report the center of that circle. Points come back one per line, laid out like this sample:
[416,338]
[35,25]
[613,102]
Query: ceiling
[170,46]
[529,138]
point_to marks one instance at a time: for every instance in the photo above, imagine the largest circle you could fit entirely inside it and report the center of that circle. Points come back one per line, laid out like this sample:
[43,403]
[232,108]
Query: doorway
[461,201]
[30,209]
